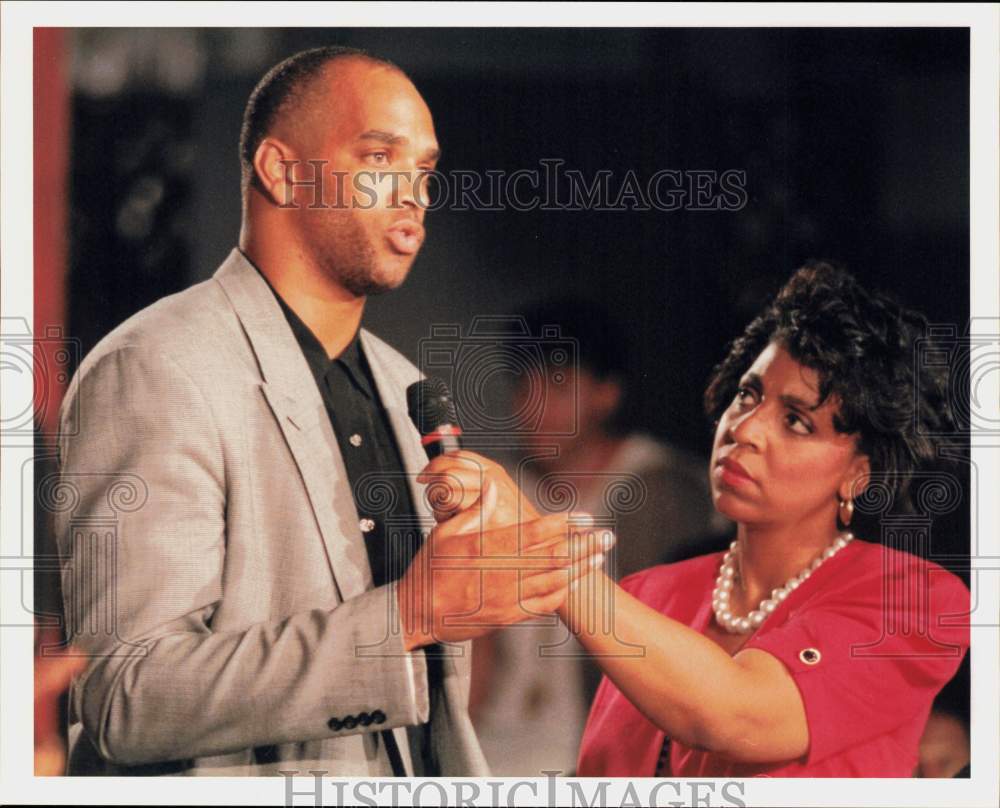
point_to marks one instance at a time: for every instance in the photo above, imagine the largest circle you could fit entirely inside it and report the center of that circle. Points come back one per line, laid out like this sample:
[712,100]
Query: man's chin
[387,282]
[371,281]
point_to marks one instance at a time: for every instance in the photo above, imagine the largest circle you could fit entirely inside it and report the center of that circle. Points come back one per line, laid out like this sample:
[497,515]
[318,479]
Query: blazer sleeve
[143,543]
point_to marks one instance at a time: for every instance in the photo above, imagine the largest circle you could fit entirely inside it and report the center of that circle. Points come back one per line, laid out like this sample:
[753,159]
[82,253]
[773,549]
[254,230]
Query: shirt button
[355,440]
[810,656]
[367,525]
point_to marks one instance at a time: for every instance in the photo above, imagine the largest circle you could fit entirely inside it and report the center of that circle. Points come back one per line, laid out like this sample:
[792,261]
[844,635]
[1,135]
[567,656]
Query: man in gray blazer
[219,565]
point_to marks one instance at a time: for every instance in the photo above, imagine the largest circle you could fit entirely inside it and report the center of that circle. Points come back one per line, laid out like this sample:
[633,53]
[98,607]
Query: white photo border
[18,18]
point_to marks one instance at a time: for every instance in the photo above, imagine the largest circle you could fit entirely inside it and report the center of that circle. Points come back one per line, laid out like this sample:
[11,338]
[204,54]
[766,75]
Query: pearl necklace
[727,575]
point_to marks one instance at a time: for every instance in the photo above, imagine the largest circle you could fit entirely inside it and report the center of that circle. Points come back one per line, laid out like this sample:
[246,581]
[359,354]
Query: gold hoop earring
[845,512]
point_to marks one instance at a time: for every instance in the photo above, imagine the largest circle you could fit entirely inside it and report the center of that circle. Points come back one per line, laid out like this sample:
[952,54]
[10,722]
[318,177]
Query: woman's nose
[747,428]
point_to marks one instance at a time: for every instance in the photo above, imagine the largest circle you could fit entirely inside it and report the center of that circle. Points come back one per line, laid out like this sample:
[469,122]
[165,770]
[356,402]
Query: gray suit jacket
[213,564]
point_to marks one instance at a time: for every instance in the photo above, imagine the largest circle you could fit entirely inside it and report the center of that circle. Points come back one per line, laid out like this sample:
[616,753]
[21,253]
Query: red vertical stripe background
[50,217]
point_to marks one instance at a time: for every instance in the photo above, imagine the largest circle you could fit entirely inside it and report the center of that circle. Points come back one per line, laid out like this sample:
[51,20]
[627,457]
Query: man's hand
[466,581]
[456,480]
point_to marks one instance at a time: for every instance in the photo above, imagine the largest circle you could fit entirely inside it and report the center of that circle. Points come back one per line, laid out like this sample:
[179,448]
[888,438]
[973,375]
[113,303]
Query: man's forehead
[349,71]
[363,83]
[357,96]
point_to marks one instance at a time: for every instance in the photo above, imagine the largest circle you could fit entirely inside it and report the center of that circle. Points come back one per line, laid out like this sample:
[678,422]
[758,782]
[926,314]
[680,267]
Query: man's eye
[378,158]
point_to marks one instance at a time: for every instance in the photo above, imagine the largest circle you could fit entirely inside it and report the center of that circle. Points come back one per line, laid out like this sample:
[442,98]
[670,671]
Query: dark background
[854,143]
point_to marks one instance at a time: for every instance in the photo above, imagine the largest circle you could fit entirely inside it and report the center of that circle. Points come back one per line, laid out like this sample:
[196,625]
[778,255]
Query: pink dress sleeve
[869,655]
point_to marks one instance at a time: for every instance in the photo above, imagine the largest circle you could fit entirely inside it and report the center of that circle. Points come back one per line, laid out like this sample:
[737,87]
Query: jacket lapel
[392,376]
[291,392]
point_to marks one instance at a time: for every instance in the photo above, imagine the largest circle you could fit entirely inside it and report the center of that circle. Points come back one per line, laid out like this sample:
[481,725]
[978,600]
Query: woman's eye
[798,424]
[745,396]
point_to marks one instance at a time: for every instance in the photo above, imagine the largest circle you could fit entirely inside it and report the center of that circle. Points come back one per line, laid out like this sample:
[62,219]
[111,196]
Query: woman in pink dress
[803,651]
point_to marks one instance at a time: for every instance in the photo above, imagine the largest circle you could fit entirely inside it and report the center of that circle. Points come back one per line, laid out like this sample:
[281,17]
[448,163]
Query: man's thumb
[475,517]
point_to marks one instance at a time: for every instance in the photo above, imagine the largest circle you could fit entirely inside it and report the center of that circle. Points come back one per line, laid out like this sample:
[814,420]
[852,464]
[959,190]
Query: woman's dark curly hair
[863,348]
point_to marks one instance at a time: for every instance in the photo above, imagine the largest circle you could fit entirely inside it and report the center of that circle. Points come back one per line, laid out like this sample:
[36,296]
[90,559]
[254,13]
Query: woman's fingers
[545,604]
[551,544]
[582,536]
[545,582]
[580,554]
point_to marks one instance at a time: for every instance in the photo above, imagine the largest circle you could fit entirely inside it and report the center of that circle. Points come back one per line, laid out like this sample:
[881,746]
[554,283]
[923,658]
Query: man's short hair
[279,91]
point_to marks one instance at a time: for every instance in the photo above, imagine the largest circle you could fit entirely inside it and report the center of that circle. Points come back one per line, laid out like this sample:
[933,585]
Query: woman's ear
[856,479]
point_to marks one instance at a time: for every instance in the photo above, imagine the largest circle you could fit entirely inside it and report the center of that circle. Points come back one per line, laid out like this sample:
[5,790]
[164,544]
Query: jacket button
[350,722]
[364,719]
[378,717]
[335,724]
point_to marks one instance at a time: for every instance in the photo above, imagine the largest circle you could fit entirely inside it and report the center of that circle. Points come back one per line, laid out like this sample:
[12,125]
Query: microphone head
[431,405]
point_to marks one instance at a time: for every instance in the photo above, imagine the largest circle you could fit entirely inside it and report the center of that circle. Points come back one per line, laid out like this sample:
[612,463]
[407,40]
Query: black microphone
[432,411]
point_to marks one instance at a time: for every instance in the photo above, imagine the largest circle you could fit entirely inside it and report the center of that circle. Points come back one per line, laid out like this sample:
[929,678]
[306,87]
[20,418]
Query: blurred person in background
[945,745]
[53,674]
[581,433]
[529,704]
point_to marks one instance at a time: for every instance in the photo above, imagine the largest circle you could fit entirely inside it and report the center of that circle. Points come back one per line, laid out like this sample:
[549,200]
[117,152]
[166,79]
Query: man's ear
[273,164]
[856,479]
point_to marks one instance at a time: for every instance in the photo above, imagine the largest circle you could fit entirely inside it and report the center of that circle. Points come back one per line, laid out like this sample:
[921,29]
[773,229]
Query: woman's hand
[467,579]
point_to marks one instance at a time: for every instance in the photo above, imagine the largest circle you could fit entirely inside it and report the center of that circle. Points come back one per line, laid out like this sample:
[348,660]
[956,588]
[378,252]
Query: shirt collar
[350,360]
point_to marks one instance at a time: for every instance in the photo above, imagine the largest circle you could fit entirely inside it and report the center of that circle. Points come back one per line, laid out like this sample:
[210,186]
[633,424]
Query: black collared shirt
[378,479]
[368,446]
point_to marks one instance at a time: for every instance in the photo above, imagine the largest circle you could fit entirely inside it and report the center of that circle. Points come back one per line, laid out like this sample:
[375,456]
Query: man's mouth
[406,236]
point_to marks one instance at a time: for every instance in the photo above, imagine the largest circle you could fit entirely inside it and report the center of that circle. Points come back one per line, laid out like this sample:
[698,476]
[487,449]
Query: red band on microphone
[441,432]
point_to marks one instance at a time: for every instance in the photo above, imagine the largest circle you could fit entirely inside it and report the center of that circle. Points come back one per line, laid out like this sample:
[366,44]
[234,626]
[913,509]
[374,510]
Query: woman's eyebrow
[797,403]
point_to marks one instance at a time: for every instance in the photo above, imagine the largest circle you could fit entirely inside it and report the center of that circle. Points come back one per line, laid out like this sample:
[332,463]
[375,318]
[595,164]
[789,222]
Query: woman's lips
[733,473]
[406,237]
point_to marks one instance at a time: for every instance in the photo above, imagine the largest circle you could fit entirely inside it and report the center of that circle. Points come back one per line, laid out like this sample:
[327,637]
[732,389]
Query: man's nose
[409,190]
